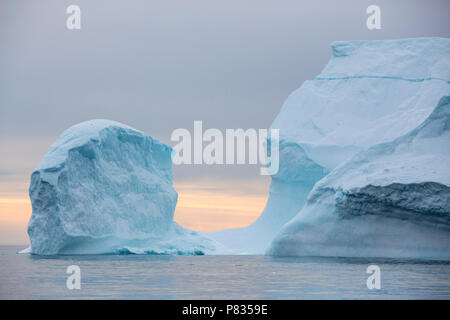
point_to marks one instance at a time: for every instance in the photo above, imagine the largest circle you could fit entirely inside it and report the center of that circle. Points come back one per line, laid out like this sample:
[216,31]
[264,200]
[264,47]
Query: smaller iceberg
[104,187]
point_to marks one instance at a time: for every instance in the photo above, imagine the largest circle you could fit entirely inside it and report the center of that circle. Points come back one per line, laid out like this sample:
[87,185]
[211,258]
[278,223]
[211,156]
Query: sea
[24,276]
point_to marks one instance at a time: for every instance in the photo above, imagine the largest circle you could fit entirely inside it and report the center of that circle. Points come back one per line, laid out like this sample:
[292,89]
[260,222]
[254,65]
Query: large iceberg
[392,200]
[104,187]
[370,92]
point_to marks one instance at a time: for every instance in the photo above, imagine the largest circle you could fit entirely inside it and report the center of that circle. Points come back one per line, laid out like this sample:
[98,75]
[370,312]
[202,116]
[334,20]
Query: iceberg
[370,92]
[104,187]
[363,170]
[391,200]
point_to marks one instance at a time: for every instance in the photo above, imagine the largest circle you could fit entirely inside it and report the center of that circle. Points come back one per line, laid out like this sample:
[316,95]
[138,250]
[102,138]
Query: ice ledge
[413,45]
[418,58]
[383,77]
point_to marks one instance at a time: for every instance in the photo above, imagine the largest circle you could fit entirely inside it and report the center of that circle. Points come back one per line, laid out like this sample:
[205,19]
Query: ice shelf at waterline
[370,92]
[104,187]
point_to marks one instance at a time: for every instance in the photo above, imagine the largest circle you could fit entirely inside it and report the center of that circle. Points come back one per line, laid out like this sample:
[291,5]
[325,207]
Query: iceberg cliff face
[392,200]
[369,93]
[104,187]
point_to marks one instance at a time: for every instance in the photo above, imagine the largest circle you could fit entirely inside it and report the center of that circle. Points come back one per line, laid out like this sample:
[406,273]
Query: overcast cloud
[160,65]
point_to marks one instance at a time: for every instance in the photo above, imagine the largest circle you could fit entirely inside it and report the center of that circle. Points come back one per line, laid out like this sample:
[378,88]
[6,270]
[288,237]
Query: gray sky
[159,65]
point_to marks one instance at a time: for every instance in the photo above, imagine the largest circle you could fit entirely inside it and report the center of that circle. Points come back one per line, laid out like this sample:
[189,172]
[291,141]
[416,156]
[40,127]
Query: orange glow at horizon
[14,216]
[198,208]
[209,210]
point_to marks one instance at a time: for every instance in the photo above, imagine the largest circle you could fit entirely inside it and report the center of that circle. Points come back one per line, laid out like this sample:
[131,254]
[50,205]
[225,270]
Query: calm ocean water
[217,277]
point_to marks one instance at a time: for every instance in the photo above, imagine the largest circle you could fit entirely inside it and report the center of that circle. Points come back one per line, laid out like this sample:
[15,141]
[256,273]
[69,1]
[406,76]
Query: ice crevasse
[370,92]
